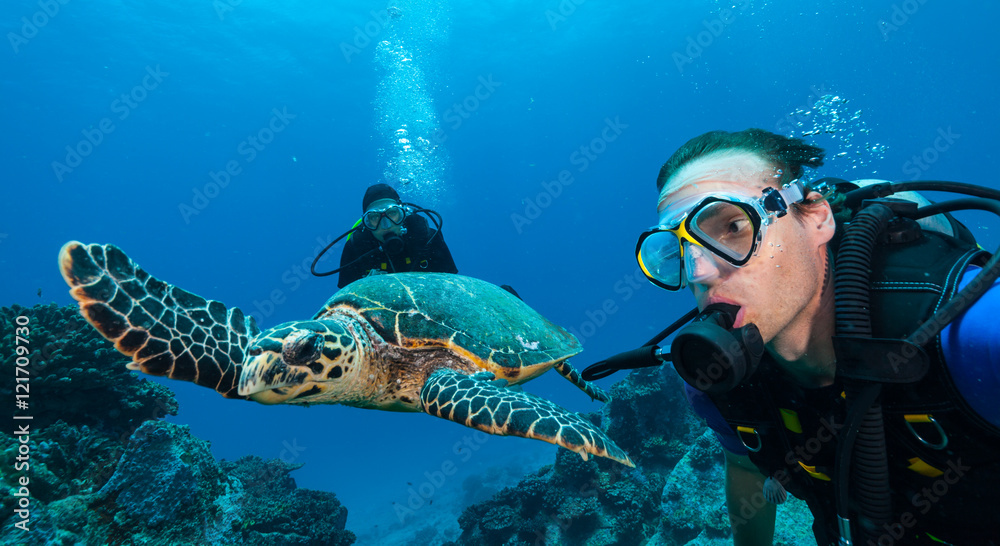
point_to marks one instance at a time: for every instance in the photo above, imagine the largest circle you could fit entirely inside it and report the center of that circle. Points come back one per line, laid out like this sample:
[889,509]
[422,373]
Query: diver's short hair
[789,154]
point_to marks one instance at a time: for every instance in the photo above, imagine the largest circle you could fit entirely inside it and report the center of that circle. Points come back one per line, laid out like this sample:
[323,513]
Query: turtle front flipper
[479,403]
[166,330]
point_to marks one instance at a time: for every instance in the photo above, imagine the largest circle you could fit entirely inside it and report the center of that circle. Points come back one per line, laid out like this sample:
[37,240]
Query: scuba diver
[845,346]
[390,237]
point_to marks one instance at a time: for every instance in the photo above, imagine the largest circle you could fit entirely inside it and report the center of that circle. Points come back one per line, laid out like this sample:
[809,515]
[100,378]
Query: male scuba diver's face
[382,231]
[779,287]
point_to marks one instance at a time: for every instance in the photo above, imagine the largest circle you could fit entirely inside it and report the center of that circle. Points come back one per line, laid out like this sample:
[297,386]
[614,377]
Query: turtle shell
[469,316]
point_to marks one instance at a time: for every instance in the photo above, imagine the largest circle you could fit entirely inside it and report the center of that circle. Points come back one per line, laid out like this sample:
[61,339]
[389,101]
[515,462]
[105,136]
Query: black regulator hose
[979,285]
[434,216]
[854,197]
[312,268]
[869,460]
[648,355]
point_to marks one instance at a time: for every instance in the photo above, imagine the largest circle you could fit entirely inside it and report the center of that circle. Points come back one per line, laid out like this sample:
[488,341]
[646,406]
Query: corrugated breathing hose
[863,447]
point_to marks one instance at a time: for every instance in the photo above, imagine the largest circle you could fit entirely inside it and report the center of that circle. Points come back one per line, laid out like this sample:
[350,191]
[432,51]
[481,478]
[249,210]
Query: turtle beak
[265,374]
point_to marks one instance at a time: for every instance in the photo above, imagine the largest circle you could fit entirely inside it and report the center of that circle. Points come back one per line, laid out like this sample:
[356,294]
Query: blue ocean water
[221,142]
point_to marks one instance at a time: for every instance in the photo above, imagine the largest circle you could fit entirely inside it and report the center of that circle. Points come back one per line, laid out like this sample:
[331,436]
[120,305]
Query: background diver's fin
[479,403]
[510,289]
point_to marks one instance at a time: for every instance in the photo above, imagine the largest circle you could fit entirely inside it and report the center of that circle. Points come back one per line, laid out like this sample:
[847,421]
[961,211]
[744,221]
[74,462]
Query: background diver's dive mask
[384,217]
[729,226]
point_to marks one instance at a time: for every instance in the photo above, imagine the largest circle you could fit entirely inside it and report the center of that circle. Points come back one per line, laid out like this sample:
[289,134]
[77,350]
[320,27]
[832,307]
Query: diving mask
[729,226]
[384,218]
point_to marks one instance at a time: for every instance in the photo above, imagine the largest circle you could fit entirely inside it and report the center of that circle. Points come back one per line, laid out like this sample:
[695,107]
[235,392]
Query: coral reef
[101,468]
[274,511]
[697,516]
[84,404]
[672,498]
[689,513]
[80,377]
[649,417]
[165,484]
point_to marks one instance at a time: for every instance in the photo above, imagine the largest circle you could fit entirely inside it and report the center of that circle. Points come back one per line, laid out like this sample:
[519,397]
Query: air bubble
[830,115]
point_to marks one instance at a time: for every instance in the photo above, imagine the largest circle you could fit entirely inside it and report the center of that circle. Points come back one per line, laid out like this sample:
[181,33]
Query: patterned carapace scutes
[438,343]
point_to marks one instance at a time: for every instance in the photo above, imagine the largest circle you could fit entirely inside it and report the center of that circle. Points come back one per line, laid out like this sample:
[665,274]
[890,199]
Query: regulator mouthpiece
[392,244]
[712,356]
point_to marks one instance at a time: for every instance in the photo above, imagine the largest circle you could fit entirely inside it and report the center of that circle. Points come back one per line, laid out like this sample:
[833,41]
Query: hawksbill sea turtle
[437,343]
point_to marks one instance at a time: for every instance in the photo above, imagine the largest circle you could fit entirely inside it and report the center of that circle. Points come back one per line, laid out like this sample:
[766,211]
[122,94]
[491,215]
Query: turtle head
[301,362]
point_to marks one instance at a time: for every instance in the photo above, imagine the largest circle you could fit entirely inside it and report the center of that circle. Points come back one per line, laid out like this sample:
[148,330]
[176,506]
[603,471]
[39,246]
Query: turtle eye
[302,348]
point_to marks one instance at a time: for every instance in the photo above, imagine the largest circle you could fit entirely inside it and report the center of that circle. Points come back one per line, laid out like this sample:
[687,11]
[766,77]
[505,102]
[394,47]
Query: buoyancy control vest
[944,459]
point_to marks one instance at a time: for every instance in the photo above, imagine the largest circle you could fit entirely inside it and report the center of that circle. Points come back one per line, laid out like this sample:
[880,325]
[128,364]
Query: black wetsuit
[417,255]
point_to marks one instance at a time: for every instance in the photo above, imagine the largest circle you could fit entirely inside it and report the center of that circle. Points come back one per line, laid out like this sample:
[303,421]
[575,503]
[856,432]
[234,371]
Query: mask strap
[778,201]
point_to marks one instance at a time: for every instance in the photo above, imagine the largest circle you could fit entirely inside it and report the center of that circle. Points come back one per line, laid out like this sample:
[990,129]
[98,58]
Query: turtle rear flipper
[166,330]
[478,403]
[592,390]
